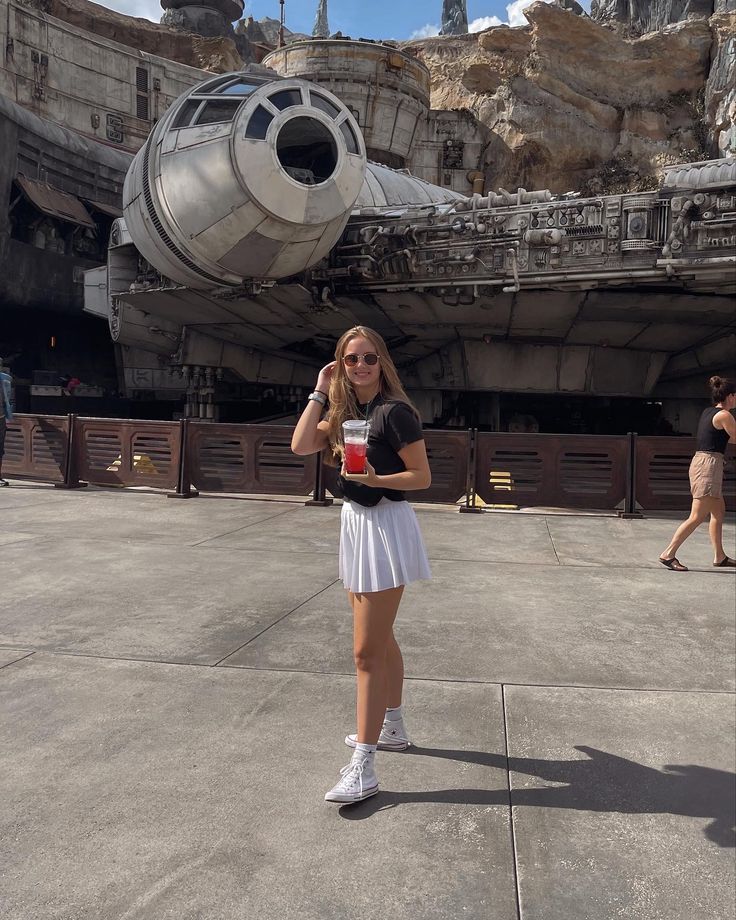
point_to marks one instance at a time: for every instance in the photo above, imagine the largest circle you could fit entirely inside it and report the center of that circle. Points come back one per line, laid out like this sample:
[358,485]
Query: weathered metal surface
[36,447]
[524,470]
[567,471]
[244,178]
[127,452]
[386,89]
[55,203]
[110,210]
[83,81]
[253,459]
[448,453]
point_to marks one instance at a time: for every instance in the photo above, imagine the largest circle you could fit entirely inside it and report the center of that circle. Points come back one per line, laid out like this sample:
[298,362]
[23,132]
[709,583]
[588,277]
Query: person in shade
[6,414]
[381,546]
[716,429]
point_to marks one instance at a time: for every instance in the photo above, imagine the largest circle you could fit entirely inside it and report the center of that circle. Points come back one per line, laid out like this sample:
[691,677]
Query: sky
[397,19]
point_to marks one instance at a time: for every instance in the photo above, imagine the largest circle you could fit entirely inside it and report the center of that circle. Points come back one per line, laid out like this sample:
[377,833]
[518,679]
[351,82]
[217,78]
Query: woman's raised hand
[325,376]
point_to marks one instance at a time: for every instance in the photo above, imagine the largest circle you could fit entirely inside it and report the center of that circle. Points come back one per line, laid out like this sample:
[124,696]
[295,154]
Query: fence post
[71,472]
[319,498]
[630,511]
[184,486]
[470,507]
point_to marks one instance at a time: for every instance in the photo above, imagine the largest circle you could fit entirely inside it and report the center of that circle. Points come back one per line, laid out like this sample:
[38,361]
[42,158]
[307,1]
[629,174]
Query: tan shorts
[706,475]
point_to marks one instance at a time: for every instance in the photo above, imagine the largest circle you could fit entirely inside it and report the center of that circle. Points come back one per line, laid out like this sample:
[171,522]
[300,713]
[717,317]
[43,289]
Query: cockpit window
[286,99]
[329,108]
[239,89]
[351,142]
[218,110]
[258,124]
[186,113]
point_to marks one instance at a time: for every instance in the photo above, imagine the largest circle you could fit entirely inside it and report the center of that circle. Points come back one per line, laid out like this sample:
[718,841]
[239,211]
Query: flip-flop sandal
[726,563]
[674,564]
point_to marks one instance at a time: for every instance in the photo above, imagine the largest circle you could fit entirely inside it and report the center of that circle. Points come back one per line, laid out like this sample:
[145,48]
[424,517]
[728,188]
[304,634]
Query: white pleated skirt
[380,547]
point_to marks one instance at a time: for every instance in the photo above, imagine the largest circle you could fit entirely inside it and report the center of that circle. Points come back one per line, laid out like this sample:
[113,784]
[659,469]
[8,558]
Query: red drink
[355,457]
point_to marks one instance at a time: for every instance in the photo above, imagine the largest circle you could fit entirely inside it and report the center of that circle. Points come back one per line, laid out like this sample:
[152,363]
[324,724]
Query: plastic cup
[355,435]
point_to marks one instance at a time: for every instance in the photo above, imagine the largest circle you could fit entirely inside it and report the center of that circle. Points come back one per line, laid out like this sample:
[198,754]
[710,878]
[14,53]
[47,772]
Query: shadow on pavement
[604,782]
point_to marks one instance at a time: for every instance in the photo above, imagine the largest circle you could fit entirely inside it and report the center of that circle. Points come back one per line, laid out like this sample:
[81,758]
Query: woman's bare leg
[373,620]
[698,513]
[715,529]
[395,674]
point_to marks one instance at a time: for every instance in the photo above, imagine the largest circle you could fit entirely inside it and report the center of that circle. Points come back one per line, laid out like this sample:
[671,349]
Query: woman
[381,547]
[717,428]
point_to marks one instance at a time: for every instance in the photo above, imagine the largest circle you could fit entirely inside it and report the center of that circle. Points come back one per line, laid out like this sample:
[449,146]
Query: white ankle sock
[394,715]
[367,751]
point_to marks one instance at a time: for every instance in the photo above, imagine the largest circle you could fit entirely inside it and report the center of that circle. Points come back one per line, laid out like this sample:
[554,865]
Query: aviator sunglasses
[370,358]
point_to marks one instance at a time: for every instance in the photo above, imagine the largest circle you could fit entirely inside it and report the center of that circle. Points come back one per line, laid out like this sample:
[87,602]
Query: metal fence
[595,472]
[37,447]
[569,471]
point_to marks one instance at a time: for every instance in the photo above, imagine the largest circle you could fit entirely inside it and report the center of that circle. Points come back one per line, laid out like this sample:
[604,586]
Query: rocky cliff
[636,17]
[572,104]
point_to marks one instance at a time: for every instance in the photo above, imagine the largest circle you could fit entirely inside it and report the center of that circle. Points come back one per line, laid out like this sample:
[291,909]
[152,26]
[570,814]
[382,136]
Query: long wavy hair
[343,399]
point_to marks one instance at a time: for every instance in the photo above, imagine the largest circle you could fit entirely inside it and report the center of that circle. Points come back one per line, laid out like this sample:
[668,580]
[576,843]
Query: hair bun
[716,381]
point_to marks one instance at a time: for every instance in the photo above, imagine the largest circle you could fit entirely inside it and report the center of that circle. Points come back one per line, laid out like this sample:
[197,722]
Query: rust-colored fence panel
[127,452]
[247,458]
[570,471]
[662,482]
[573,471]
[36,447]
[449,454]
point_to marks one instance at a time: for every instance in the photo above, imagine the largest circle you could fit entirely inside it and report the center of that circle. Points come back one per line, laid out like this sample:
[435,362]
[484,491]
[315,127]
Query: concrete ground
[176,681]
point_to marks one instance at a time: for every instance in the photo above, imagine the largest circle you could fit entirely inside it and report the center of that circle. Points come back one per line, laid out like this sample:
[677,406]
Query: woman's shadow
[601,782]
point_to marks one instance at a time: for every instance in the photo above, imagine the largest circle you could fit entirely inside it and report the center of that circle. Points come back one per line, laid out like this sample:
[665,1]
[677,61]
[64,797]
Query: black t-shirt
[393,426]
[713,440]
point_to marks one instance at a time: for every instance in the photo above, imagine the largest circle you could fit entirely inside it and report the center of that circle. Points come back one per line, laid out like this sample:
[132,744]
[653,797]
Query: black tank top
[713,440]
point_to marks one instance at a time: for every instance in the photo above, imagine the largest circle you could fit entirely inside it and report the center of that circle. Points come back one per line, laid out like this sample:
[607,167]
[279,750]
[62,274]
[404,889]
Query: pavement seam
[229,533]
[16,660]
[276,622]
[512,828]
[274,670]
[552,541]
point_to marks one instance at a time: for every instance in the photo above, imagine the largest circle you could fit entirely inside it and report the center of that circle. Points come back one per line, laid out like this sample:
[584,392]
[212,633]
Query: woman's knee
[699,512]
[369,659]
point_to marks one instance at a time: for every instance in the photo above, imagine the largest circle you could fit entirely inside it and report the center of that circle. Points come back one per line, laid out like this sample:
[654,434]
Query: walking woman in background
[381,547]
[716,429]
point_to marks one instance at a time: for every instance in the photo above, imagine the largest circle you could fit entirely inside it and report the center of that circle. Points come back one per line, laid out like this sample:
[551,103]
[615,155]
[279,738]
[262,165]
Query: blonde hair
[343,399]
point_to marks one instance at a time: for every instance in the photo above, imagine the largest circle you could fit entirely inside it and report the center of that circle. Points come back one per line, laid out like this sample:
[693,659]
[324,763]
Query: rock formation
[321,23]
[720,90]
[454,17]
[574,105]
[637,17]
[211,18]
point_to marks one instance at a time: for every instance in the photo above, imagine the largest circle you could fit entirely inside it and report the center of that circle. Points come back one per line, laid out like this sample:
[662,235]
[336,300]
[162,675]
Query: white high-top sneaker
[393,737]
[359,781]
